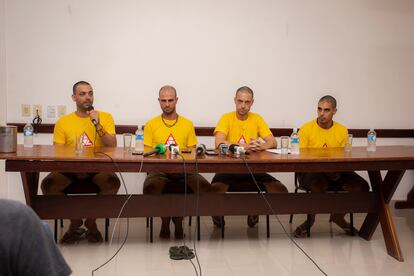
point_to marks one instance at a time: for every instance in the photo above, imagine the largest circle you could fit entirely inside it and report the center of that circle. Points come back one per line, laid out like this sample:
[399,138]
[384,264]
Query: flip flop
[181,253]
[252,221]
[300,232]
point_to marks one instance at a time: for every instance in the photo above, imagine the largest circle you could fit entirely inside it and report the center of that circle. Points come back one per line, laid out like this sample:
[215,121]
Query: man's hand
[94,116]
[255,145]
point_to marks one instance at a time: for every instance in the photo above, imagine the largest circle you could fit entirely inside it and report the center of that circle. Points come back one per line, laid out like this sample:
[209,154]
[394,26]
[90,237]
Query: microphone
[223,149]
[174,149]
[160,148]
[90,108]
[236,149]
[201,149]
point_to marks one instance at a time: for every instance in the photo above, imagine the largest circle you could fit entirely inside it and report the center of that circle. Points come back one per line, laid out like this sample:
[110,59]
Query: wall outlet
[26,110]
[61,110]
[37,110]
[51,111]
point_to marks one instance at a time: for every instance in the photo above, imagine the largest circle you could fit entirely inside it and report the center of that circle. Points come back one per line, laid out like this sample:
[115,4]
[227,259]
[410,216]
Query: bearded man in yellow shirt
[97,129]
[249,130]
[167,129]
[324,132]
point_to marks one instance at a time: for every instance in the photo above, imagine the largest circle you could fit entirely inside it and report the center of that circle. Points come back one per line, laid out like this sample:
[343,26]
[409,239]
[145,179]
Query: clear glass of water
[284,144]
[348,144]
[127,142]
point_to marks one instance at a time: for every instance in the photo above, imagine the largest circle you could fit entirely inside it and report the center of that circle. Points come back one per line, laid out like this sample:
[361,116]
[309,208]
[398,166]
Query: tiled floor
[247,251]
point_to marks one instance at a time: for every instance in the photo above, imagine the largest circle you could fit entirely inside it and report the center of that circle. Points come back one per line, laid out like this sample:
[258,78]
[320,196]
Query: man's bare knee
[219,187]
[357,186]
[275,187]
[54,184]
[108,183]
[153,188]
[319,187]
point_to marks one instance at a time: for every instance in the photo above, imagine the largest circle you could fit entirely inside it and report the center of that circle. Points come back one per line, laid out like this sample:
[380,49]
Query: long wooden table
[393,159]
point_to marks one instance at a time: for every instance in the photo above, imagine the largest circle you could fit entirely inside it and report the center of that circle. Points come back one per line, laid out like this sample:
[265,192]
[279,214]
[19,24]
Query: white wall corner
[3,91]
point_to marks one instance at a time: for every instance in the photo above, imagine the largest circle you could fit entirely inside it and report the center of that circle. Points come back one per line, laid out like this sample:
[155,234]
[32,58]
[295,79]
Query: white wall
[290,52]
[3,91]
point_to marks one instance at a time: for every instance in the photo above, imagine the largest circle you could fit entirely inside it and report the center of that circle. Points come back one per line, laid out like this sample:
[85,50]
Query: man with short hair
[94,129]
[324,132]
[249,130]
[26,244]
[170,128]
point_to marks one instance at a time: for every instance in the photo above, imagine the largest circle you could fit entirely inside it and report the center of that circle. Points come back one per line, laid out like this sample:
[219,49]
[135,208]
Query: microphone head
[161,148]
[240,151]
[233,148]
[223,148]
[174,149]
[201,149]
[90,108]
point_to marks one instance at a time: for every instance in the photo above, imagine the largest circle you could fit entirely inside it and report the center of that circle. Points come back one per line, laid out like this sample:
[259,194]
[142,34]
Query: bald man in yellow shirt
[170,128]
[249,130]
[324,132]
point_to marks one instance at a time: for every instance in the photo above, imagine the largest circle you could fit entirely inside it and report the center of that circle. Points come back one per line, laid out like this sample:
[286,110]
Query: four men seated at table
[240,127]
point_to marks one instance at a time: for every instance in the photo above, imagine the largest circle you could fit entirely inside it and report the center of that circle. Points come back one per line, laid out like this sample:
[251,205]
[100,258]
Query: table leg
[30,182]
[385,190]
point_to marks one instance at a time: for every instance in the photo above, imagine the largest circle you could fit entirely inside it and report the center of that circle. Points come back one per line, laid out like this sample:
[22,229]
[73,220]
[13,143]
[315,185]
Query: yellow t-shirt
[182,133]
[70,125]
[241,132]
[311,135]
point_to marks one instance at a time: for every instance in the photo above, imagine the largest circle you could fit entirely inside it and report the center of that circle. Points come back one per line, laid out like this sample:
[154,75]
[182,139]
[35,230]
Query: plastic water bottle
[372,140]
[139,139]
[294,142]
[28,136]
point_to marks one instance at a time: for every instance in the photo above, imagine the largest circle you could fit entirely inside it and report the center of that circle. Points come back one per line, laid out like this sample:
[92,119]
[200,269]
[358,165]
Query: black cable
[197,214]
[120,212]
[185,204]
[122,208]
[37,121]
[274,214]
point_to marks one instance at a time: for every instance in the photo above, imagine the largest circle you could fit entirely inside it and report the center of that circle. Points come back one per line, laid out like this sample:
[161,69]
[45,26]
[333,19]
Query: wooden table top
[66,153]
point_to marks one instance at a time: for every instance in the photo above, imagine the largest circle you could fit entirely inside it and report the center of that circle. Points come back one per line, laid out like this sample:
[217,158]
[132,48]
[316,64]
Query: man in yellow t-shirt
[93,128]
[170,128]
[324,132]
[249,130]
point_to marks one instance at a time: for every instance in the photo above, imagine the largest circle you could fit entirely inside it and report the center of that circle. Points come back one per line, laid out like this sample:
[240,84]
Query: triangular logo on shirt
[170,140]
[242,140]
[325,146]
[86,141]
